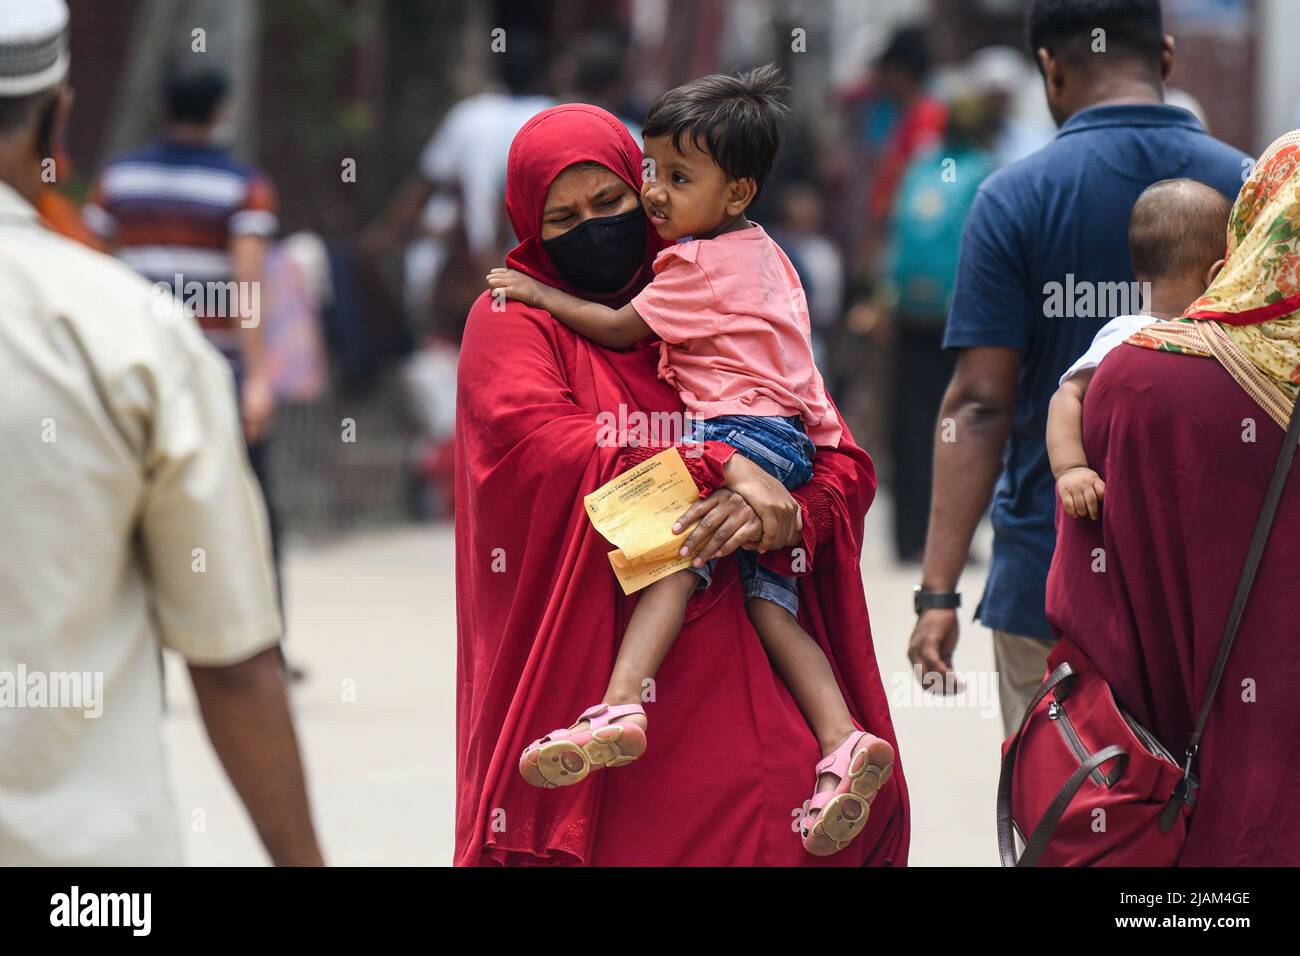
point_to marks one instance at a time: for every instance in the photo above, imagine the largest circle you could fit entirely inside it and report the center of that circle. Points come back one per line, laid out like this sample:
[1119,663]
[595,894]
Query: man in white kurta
[129,521]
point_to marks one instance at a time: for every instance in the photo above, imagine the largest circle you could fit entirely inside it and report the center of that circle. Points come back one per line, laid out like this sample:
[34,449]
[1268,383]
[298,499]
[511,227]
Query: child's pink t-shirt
[734,323]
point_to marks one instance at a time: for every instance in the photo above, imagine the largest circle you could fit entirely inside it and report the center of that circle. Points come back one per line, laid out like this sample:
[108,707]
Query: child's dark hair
[735,118]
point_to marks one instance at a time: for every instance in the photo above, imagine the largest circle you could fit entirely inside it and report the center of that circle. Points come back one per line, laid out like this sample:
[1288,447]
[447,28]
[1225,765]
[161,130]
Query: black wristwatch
[922,599]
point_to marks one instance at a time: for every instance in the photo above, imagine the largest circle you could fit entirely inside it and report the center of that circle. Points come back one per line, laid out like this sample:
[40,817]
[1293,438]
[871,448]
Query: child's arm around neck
[613,328]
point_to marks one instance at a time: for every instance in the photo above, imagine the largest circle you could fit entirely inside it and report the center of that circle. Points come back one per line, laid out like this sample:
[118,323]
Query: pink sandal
[841,812]
[565,757]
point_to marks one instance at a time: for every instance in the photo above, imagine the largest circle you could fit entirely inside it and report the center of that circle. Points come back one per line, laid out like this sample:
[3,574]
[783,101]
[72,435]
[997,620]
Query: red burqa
[540,615]
[1168,434]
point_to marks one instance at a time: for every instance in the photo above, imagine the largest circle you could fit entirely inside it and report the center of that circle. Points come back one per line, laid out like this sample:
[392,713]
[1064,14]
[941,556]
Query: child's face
[685,193]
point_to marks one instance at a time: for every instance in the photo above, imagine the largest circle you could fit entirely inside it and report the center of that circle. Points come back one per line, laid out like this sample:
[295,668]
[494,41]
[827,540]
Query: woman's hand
[781,515]
[726,523]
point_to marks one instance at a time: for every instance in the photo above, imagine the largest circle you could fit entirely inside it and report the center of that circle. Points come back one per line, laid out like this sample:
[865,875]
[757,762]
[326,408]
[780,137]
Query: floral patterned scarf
[1249,317]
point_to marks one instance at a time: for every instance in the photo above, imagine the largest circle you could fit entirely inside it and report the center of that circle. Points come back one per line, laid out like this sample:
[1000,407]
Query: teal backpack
[930,211]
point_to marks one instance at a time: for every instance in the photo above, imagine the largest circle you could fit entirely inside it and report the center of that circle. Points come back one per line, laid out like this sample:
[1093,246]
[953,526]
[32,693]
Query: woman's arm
[612,328]
[832,504]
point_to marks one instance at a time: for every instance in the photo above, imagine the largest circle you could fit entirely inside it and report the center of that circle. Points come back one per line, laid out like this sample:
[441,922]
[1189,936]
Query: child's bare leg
[650,634]
[805,670]
[562,760]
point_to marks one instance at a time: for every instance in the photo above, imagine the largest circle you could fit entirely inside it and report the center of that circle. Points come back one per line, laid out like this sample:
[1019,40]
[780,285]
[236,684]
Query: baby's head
[1177,235]
[709,145]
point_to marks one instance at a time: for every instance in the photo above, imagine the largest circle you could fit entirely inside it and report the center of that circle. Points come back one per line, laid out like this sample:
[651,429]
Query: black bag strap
[1006,839]
[1254,555]
[1042,834]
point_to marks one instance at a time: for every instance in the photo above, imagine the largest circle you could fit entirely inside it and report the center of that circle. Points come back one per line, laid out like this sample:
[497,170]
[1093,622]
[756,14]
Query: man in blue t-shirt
[1044,264]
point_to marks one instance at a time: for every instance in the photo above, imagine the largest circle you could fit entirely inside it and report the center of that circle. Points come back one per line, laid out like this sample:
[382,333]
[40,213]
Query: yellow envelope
[635,512]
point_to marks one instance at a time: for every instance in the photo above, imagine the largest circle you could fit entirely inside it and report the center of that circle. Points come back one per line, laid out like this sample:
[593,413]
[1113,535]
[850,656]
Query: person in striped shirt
[186,215]
[194,221]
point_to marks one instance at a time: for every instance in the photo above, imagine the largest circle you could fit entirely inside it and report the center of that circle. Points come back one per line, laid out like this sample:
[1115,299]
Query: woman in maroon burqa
[1187,449]
[540,615]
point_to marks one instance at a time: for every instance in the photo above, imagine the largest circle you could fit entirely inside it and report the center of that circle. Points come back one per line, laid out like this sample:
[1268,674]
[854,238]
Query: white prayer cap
[33,45]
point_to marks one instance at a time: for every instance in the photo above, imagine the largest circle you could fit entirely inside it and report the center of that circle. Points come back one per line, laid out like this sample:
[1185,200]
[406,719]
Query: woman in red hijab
[539,613]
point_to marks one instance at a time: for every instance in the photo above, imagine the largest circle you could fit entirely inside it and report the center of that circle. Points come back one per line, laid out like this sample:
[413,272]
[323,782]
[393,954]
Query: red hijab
[548,144]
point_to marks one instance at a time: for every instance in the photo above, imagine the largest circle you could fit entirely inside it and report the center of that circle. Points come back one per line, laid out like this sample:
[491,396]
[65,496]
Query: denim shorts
[782,448]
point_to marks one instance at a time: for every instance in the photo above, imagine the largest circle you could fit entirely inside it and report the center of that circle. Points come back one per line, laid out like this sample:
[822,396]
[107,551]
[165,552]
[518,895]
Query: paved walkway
[373,622]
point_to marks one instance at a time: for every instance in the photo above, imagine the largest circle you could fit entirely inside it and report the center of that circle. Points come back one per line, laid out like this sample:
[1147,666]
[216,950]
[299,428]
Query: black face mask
[600,256]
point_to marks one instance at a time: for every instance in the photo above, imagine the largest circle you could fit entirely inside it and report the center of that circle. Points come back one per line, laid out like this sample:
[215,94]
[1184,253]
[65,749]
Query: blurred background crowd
[380,130]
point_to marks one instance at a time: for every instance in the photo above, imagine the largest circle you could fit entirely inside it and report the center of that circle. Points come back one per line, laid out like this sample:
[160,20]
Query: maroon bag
[1082,782]
[1119,779]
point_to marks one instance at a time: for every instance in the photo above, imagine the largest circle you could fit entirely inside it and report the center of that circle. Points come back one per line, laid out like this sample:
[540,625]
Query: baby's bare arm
[1081,489]
[1065,425]
[612,328]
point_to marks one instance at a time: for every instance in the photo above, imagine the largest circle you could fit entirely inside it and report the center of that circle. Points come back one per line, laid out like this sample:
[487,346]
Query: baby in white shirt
[1177,235]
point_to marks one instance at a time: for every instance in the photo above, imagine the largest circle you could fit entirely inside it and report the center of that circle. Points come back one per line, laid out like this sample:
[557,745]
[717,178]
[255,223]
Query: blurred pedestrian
[190,218]
[131,520]
[458,190]
[1006,80]
[600,76]
[184,208]
[800,232]
[892,119]
[915,293]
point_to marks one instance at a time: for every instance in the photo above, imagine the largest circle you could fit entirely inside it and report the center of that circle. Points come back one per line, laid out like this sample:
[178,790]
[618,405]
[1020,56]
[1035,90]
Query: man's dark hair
[194,96]
[734,117]
[523,62]
[1066,28]
[599,63]
[908,51]
[1178,228]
